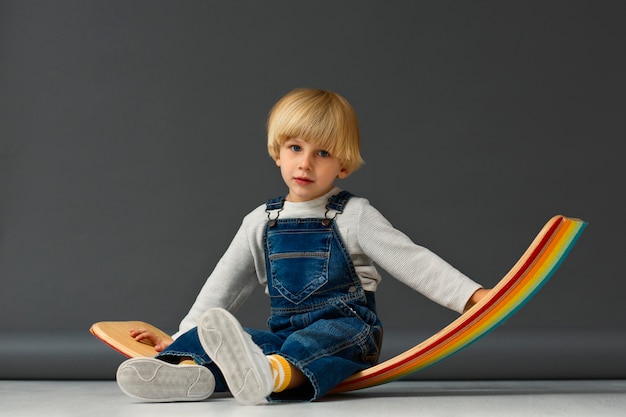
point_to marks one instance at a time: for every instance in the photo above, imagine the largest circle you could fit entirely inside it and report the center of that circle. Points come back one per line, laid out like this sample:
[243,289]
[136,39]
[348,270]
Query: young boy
[314,250]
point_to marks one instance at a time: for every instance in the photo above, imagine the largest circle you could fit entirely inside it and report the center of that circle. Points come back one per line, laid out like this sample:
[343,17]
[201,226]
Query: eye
[324,154]
[295,148]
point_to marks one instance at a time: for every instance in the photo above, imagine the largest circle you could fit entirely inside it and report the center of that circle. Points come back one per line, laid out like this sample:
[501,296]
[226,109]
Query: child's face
[308,170]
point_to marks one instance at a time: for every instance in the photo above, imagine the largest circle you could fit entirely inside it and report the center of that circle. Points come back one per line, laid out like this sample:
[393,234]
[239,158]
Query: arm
[229,285]
[412,264]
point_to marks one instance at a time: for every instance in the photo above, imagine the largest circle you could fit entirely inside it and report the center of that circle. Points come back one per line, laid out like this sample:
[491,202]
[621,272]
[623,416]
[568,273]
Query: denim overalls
[322,321]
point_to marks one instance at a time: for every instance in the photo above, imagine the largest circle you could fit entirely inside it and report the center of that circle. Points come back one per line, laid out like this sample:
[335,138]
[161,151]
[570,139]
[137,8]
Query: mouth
[303,180]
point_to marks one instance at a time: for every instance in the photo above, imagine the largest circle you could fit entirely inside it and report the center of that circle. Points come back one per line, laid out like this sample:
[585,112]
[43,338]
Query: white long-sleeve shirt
[371,240]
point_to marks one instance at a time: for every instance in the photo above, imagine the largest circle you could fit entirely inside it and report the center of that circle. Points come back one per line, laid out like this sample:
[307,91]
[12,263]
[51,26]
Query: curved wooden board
[527,276]
[116,334]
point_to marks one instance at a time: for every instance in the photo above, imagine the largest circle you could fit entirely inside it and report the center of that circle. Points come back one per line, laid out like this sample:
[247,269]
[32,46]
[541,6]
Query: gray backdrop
[132,141]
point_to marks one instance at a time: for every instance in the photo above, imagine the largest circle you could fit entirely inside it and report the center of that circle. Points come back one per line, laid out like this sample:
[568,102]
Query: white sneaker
[243,364]
[150,379]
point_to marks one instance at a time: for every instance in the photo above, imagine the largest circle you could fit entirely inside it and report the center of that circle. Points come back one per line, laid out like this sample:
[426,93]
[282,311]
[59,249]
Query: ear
[343,173]
[277,160]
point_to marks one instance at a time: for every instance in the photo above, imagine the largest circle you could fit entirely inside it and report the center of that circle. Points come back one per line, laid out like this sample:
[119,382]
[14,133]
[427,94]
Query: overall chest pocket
[299,262]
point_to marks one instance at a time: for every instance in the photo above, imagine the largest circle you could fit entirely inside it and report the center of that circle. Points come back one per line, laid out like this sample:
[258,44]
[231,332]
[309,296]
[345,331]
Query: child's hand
[476,297]
[143,335]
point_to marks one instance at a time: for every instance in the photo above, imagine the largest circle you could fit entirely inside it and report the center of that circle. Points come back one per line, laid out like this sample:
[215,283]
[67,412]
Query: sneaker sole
[245,368]
[152,380]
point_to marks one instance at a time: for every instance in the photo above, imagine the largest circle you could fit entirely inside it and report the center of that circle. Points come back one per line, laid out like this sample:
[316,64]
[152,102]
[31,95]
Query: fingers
[140,334]
[143,335]
[146,336]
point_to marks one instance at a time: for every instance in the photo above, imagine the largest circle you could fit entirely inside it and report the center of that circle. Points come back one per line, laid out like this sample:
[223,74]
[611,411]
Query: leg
[330,349]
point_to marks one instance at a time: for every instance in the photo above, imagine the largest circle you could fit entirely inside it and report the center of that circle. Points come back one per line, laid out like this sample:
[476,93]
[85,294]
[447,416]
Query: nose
[306,161]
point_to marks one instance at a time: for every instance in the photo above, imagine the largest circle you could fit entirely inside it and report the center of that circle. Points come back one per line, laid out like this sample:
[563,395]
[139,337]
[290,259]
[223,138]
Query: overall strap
[338,201]
[274,203]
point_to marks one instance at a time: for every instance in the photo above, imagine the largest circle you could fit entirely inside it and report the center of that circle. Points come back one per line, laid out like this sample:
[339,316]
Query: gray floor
[418,398]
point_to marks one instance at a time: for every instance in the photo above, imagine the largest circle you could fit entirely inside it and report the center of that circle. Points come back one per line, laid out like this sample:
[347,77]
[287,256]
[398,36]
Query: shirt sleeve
[412,264]
[229,285]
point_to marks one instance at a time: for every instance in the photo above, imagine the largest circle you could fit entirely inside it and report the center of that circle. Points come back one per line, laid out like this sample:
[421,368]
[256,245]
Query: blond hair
[321,117]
